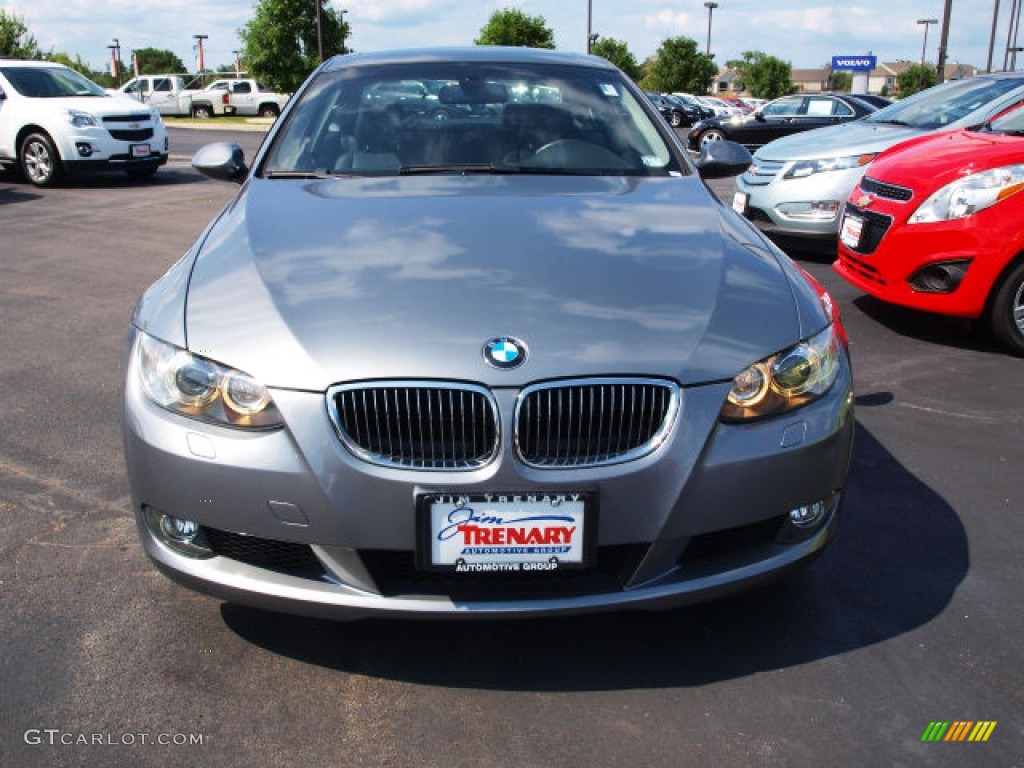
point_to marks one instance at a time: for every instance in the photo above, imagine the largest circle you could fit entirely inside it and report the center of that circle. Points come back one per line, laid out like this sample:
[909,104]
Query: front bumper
[95,149]
[305,527]
[776,205]
[892,253]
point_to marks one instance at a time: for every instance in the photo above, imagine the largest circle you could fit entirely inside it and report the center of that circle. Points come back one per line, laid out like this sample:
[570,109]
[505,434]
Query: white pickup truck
[249,97]
[170,96]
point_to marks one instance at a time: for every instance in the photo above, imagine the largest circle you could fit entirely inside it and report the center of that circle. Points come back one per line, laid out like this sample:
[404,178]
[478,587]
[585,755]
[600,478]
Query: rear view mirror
[722,159]
[473,92]
[221,161]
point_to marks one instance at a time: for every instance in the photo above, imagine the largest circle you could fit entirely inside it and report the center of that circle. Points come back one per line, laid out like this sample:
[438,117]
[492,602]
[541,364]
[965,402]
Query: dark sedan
[782,117]
[675,111]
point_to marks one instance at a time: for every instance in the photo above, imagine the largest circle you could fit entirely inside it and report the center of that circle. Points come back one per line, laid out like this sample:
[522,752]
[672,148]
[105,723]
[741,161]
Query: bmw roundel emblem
[505,353]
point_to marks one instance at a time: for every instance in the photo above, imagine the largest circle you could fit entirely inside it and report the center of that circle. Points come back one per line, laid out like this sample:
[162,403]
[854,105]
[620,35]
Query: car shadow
[954,332]
[11,195]
[900,555]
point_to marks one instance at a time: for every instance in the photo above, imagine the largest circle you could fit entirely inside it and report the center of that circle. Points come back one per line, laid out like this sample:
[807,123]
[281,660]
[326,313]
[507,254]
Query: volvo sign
[855,63]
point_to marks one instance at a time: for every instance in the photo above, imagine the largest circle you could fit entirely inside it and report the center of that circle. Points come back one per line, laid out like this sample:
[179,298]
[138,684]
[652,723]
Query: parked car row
[919,199]
[171,96]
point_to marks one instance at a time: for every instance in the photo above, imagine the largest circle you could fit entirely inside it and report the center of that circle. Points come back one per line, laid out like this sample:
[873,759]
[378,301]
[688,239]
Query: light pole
[924,46]
[238,63]
[115,60]
[202,61]
[591,40]
[341,15]
[711,9]
[319,35]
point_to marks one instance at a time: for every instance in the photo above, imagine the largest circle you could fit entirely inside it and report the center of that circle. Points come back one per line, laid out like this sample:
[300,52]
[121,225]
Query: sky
[806,33]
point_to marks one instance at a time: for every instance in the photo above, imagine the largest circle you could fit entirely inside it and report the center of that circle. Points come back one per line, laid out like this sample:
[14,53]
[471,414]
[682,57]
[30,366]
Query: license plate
[506,532]
[739,202]
[140,150]
[851,230]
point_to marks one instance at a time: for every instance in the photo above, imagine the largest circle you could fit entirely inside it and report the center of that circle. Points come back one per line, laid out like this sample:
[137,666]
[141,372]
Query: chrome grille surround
[425,425]
[593,422]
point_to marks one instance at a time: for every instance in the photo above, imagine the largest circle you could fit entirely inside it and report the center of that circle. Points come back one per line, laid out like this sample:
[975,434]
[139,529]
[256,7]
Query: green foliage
[618,54]
[840,81]
[766,77]
[513,27]
[155,61]
[279,44]
[15,40]
[77,63]
[916,78]
[678,66]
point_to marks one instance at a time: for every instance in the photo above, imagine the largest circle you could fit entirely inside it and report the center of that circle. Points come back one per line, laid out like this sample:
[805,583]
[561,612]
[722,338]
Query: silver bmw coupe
[475,339]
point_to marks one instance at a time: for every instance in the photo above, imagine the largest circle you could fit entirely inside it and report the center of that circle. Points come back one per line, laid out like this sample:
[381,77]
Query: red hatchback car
[937,224]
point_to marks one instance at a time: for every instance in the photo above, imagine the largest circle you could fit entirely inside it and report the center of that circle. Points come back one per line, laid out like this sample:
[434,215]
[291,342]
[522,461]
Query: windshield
[50,82]
[943,105]
[1011,122]
[458,117]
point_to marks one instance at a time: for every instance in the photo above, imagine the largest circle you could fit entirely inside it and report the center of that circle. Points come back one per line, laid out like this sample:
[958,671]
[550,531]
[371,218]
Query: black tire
[39,160]
[269,110]
[675,119]
[142,173]
[1006,312]
[202,111]
[710,135]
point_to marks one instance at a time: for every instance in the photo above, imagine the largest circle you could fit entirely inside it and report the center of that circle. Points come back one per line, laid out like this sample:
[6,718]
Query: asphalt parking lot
[912,616]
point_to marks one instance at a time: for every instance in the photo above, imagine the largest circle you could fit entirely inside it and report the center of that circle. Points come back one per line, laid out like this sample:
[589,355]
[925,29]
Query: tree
[766,77]
[279,44]
[840,80]
[15,40]
[678,66]
[513,27]
[618,54]
[916,78]
[78,63]
[156,61]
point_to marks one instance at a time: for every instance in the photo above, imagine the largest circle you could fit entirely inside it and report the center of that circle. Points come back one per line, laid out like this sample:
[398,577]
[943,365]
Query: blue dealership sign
[856,63]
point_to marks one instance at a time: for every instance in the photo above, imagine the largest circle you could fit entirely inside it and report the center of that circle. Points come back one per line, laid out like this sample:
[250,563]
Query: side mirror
[222,161]
[722,159]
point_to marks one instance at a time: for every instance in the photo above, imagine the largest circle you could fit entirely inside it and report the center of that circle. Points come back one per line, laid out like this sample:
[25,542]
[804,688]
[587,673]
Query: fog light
[941,277]
[809,516]
[178,529]
[183,536]
[818,210]
[84,148]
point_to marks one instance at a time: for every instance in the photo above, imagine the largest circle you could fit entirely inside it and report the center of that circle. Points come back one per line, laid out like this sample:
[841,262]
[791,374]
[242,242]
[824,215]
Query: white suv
[54,120]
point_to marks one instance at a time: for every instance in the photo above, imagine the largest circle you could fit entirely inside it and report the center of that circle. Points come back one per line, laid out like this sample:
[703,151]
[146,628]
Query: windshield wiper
[894,122]
[463,168]
[298,175]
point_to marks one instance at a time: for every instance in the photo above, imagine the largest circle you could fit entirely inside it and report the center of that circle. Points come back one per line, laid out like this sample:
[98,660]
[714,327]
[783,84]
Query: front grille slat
[417,425]
[885,190]
[607,427]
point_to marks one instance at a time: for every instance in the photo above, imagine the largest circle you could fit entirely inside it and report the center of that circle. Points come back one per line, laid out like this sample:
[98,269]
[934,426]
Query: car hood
[931,162]
[304,284]
[101,106]
[859,137]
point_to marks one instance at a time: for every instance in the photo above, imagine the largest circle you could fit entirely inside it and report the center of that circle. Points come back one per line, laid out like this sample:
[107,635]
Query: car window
[447,117]
[242,88]
[162,84]
[783,107]
[1010,122]
[50,82]
[945,104]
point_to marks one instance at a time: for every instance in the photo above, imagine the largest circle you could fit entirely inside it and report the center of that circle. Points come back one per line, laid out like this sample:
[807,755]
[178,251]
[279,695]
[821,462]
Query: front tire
[1006,313]
[39,160]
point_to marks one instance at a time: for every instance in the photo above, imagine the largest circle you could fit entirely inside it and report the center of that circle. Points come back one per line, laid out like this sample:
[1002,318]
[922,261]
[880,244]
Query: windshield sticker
[609,90]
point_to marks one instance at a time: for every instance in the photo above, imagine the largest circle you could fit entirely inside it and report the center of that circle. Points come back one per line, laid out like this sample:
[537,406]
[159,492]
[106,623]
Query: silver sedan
[516,362]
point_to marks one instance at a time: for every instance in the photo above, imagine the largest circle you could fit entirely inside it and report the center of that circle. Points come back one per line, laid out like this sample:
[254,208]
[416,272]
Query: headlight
[179,381]
[803,168]
[787,380]
[966,196]
[81,119]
